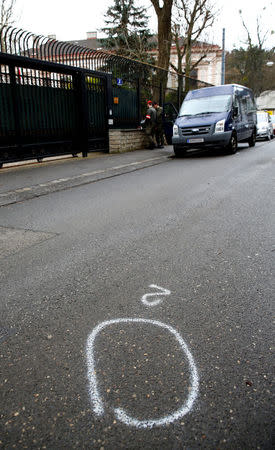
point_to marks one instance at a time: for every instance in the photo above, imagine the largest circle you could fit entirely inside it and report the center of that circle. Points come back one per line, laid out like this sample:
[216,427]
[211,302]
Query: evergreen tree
[127,31]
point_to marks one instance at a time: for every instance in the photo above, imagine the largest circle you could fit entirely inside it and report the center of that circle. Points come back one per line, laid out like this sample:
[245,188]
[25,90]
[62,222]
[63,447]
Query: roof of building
[95,43]
[199,44]
[92,43]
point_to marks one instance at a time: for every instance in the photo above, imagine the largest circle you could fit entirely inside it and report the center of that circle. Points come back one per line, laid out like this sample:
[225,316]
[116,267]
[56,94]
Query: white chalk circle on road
[121,414]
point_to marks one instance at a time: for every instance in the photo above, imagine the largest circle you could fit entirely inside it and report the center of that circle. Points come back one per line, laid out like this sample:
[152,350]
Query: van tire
[232,146]
[179,151]
[252,140]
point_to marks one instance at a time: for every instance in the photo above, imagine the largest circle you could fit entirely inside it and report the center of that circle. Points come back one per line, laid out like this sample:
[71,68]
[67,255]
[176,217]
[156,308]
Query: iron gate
[96,91]
[50,109]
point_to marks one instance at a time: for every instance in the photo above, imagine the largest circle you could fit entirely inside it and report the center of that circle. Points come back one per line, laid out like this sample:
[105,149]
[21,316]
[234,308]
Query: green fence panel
[7,121]
[46,112]
[125,112]
[96,98]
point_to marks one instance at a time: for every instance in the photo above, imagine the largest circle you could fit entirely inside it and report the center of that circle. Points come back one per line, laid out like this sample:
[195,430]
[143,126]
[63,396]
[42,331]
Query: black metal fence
[57,97]
[49,109]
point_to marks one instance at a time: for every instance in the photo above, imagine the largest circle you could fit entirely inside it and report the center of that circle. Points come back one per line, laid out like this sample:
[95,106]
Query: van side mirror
[235,111]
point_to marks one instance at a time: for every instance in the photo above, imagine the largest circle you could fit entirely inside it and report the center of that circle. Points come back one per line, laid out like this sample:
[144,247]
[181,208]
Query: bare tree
[6,18]
[193,18]
[164,15]
[261,35]
[6,12]
[247,66]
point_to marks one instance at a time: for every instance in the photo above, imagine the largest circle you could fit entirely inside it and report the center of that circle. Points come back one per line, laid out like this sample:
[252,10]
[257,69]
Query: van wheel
[179,151]
[232,146]
[252,139]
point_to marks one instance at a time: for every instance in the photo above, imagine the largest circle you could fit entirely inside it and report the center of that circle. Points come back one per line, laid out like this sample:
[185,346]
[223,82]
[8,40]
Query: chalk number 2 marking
[145,299]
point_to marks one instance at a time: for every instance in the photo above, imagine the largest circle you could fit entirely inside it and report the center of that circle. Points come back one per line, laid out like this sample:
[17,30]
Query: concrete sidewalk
[20,182]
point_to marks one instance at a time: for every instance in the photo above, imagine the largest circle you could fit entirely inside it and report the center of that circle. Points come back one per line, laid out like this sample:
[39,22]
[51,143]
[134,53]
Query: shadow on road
[210,153]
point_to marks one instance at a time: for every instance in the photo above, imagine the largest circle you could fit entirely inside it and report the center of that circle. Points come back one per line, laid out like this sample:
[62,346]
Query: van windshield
[206,105]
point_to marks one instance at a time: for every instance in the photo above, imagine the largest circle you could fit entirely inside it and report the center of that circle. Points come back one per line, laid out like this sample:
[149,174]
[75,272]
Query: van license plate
[195,140]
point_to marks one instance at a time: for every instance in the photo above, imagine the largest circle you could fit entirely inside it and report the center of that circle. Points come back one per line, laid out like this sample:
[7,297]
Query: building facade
[209,68]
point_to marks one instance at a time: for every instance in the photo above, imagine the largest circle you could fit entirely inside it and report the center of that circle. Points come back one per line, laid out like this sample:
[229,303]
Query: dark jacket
[151,117]
[159,113]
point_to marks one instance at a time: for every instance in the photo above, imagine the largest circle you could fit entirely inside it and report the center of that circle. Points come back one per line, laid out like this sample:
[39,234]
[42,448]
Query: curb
[27,193]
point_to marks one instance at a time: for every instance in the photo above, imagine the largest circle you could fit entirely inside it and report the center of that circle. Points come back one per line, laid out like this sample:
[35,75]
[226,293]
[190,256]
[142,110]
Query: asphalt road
[136,308]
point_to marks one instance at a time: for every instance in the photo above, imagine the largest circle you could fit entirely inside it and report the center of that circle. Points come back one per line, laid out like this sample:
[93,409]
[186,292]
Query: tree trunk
[164,14]
[187,65]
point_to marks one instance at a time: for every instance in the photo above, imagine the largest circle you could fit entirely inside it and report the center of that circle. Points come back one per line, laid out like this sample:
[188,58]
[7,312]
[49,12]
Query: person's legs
[149,134]
[159,137]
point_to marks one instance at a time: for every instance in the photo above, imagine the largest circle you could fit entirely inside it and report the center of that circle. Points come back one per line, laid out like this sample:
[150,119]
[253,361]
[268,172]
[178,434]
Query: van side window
[251,107]
[243,105]
[236,102]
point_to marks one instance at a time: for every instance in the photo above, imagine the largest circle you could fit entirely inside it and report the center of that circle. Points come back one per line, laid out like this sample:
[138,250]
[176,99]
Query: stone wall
[121,141]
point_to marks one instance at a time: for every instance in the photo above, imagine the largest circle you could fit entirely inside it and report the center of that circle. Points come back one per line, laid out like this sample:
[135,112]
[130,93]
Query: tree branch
[247,31]
[197,62]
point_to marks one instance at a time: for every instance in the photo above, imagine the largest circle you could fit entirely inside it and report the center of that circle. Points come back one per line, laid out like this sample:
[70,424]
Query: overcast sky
[71,21]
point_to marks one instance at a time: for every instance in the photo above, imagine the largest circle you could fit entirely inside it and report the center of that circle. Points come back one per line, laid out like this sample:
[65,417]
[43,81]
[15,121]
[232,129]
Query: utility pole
[223,56]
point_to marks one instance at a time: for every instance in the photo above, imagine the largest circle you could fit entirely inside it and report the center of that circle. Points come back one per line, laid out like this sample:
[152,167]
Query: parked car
[218,116]
[272,117]
[264,126]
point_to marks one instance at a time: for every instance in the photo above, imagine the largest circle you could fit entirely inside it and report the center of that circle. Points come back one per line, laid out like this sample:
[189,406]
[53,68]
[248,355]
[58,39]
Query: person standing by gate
[150,124]
[159,125]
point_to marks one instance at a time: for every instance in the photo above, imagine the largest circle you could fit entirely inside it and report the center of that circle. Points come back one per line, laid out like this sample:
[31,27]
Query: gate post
[82,103]
[15,103]
[109,101]
[138,101]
